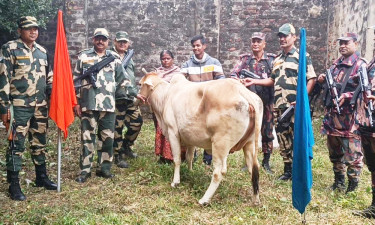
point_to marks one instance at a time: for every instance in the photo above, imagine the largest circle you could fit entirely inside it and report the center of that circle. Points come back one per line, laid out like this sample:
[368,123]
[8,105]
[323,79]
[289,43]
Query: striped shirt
[206,69]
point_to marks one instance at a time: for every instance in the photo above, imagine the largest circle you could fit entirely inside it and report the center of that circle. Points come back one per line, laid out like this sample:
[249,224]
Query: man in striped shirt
[202,67]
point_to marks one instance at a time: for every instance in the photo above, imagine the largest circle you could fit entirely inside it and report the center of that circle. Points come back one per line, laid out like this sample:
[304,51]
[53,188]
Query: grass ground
[142,193]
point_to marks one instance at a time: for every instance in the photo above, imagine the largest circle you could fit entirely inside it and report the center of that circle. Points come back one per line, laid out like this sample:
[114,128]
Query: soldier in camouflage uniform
[127,112]
[343,144]
[367,132]
[260,63]
[25,85]
[96,105]
[284,78]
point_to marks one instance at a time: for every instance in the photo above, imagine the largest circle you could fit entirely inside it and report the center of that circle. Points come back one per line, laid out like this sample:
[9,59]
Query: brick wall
[169,24]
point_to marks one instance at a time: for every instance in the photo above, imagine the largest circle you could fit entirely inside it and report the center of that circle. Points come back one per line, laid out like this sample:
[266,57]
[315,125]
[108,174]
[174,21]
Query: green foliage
[12,10]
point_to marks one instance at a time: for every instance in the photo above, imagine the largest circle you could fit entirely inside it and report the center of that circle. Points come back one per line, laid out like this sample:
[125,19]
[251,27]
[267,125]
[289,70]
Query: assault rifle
[126,60]
[366,90]
[92,71]
[287,114]
[332,87]
[245,73]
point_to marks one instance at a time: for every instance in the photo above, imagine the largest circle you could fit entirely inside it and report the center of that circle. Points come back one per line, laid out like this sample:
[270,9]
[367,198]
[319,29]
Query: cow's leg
[190,156]
[176,151]
[219,152]
[253,168]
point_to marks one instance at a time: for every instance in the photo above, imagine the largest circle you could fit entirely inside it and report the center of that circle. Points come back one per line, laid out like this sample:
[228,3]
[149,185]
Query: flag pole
[58,160]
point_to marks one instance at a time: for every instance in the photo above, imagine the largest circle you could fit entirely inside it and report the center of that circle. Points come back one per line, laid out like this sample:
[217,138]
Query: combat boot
[128,151]
[15,191]
[8,176]
[266,163]
[339,183]
[352,186]
[104,173]
[42,179]
[120,161]
[287,172]
[370,211]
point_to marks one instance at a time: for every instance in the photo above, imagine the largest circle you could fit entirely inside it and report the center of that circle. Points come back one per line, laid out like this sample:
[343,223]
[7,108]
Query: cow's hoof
[203,202]
[174,184]
[256,202]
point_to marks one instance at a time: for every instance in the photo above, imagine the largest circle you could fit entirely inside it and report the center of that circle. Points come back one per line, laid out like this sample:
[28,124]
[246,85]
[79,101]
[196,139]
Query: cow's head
[148,83]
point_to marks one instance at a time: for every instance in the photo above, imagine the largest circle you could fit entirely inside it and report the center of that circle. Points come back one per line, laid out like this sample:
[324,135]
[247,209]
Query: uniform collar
[349,61]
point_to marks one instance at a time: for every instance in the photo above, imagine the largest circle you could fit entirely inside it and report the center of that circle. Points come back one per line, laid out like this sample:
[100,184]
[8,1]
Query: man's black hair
[198,37]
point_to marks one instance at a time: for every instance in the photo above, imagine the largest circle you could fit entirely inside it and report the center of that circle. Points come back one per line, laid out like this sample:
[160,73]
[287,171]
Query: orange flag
[63,97]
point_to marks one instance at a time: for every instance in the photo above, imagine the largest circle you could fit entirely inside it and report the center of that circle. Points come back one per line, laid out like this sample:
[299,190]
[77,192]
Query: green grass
[142,194]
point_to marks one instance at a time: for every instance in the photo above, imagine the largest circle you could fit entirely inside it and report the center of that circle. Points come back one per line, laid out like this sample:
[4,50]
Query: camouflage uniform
[98,108]
[262,68]
[24,81]
[366,131]
[285,75]
[127,114]
[343,144]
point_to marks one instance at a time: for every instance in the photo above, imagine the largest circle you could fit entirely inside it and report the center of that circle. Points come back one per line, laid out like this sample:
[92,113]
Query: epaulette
[271,55]
[115,54]
[86,49]
[41,48]
[245,55]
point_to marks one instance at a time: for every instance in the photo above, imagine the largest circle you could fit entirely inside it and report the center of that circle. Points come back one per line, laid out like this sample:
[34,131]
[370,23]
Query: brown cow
[221,115]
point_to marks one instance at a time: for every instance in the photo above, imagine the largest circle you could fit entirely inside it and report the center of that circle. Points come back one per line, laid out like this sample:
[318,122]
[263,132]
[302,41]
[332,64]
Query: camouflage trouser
[102,124]
[284,133]
[267,128]
[129,115]
[368,146]
[31,121]
[345,152]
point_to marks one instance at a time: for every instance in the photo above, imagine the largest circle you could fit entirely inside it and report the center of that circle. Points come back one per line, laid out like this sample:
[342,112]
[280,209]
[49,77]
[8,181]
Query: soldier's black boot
[352,186]
[370,211]
[128,151]
[15,192]
[266,163]
[120,161]
[287,172]
[8,176]
[42,179]
[339,183]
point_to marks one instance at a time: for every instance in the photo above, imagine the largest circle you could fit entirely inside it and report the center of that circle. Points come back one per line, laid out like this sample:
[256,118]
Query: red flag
[63,97]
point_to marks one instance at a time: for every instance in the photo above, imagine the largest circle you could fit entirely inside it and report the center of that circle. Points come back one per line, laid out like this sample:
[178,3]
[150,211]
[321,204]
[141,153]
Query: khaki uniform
[98,107]
[25,84]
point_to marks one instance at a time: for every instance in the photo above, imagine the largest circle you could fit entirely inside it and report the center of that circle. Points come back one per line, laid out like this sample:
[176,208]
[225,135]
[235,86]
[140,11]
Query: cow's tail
[250,128]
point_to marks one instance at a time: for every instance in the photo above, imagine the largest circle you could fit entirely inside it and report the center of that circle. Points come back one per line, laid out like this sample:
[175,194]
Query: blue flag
[303,137]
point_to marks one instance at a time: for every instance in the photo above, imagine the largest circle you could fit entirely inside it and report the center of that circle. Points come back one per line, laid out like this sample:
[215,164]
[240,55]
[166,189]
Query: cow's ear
[149,83]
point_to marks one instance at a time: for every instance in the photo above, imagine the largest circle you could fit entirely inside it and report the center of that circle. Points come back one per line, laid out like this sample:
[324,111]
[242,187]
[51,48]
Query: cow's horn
[144,71]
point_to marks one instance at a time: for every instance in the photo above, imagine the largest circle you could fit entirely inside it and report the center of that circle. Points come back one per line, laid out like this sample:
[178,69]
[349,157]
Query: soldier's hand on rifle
[341,101]
[321,78]
[5,118]
[77,110]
